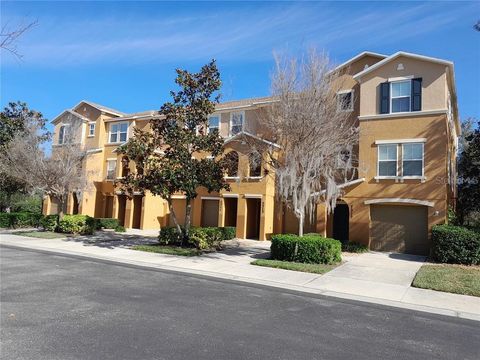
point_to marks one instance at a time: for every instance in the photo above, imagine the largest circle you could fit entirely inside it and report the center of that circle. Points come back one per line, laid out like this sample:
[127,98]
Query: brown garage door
[399,229]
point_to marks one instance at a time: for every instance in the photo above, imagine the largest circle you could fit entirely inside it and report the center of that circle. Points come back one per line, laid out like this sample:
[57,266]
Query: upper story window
[91,129]
[237,121]
[345,100]
[255,162]
[411,159]
[213,123]
[61,134]
[412,162]
[387,160]
[111,169]
[231,161]
[118,132]
[402,95]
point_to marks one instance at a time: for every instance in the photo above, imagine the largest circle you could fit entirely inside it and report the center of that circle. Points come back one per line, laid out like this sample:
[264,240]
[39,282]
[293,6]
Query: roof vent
[400,67]
[366,67]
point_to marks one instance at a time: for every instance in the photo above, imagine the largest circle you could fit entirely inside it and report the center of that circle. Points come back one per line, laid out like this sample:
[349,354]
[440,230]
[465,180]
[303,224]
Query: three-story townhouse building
[405,107]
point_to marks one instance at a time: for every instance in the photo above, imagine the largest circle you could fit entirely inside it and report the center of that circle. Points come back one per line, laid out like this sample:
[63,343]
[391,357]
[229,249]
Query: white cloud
[246,34]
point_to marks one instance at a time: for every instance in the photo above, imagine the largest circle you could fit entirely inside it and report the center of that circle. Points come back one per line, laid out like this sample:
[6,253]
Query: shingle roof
[101,108]
[244,103]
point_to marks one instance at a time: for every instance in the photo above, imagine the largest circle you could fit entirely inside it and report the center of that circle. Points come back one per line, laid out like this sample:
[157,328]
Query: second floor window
[91,129]
[61,134]
[236,123]
[118,132]
[387,160]
[412,159]
[111,169]
[345,101]
[214,123]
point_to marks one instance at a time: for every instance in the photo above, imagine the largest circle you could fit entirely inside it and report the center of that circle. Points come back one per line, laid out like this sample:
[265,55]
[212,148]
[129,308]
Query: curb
[242,280]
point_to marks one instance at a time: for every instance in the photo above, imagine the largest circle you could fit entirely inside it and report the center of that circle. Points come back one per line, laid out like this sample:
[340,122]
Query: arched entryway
[340,226]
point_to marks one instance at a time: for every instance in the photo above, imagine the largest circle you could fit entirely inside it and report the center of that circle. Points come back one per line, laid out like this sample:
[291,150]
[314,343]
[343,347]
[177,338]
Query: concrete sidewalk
[373,277]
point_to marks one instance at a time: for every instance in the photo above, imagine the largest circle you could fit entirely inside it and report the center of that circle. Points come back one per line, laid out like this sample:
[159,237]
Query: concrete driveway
[373,274]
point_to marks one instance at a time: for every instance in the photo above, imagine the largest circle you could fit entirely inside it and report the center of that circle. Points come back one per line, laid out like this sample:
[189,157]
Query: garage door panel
[399,229]
[210,209]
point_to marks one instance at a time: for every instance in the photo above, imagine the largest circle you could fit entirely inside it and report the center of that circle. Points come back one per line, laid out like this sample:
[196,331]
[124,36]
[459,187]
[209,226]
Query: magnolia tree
[179,155]
[315,136]
[57,175]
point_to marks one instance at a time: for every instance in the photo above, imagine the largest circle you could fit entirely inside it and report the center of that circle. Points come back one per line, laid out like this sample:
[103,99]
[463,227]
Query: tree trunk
[174,217]
[188,219]
[61,210]
[300,224]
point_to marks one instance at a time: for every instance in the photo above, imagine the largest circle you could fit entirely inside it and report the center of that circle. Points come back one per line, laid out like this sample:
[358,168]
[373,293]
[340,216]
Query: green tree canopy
[179,155]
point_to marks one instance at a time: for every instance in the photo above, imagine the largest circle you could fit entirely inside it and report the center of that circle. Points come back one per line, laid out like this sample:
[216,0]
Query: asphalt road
[59,307]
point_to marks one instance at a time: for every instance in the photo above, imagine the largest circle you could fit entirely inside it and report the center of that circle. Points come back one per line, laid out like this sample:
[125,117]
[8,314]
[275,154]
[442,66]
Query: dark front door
[340,222]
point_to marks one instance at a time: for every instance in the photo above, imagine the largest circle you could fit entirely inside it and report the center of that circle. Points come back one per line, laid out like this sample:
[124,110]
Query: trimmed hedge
[354,247]
[120,228]
[77,224]
[455,245]
[106,223]
[49,222]
[200,237]
[20,219]
[310,249]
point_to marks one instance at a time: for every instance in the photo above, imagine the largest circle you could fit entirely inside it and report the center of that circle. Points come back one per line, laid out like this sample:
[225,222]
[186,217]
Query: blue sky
[123,54]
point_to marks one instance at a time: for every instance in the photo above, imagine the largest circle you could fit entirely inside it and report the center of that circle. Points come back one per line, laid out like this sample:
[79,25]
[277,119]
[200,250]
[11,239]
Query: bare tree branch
[9,37]
[316,137]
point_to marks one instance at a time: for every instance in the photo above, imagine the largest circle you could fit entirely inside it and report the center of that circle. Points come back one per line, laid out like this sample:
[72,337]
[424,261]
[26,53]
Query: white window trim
[378,164]
[219,121]
[210,198]
[399,97]
[423,164]
[118,132]
[231,118]
[400,141]
[94,128]
[352,98]
[399,176]
[401,78]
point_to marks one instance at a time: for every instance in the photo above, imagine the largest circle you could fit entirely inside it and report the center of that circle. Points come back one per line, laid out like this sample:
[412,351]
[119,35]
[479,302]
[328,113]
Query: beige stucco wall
[434,83]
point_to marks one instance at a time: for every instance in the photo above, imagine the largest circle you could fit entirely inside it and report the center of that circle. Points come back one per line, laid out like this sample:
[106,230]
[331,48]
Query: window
[61,134]
[255,165]
[214,123]
[412,163]
[387,160]
[401,92]
[236,123]
[345,100]
[111,169]
[91,129]
[231,161]
[118,132]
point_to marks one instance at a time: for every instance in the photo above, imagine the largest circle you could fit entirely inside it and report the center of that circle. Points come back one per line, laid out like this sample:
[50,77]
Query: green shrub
[5,221]
[120,228]
[106,223]
[19,219]
[49,222]
[200,237]
[27,203]
[169,236]
[455,245]
[229,232]
[310,249]
[77,224]
[354,247]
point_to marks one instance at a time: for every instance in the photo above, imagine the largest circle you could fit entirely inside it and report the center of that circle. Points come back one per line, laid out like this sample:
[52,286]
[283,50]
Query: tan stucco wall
[434,84]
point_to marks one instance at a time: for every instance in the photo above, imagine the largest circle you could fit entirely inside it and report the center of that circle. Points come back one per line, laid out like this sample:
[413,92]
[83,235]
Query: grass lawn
[458,279]
[287,265]
[40,234]
[169,250]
